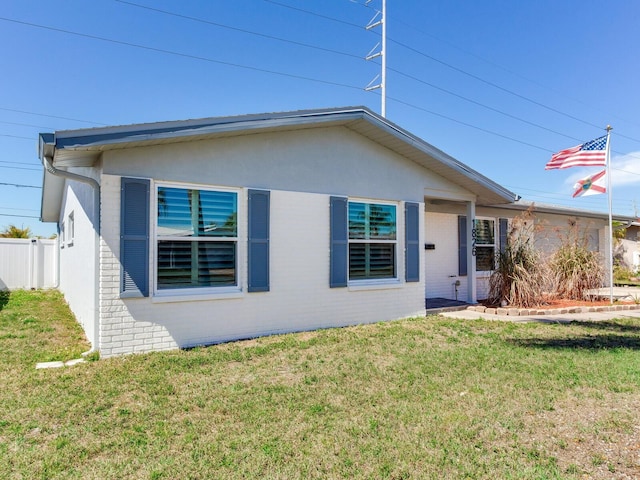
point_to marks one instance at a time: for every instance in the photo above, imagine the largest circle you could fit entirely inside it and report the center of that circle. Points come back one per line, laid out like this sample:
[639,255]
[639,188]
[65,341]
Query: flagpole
[608,161]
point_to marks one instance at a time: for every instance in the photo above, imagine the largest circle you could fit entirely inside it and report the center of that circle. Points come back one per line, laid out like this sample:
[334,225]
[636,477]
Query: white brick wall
[119,332]
[299,299]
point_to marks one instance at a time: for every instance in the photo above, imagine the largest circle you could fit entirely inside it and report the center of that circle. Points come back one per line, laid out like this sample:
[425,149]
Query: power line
[20,163]
[355,25]
[197,19]
[25,124]
[494,85]
[457,69]
[489,62]
[261,70]
[284,74]
[626,155]
[22,168]
[462,97]
[291,76]
[19,185]
[16,136]
[626,171]
[522,142]
[19,209]
[241,30]
[506,90]
[44,114]
[179,54]
[19,216]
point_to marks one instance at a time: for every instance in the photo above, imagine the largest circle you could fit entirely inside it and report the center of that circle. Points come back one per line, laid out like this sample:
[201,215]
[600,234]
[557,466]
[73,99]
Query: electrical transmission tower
[380,50]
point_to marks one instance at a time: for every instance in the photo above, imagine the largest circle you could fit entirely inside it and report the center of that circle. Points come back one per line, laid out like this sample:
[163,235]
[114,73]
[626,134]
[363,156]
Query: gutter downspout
[48,165]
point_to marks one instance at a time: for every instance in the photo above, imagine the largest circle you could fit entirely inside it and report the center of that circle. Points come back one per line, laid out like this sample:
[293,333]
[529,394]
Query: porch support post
[471,258]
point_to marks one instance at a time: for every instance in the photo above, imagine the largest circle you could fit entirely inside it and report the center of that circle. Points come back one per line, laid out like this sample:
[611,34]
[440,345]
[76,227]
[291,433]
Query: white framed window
[196,239]
[372,241]
[70,230]
[62,235]
[485,244]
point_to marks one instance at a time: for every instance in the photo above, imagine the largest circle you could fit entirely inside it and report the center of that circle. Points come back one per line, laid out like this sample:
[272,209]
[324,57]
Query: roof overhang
[82,148]
[522,205]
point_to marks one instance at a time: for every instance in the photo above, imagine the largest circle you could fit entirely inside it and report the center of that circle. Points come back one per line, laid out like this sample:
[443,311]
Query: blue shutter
[258,257]
[339,231]
[504,229]
[462,245]
[412,242]
[134,237]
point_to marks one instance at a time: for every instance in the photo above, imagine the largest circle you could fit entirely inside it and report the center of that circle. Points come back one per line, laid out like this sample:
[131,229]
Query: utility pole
[379,19]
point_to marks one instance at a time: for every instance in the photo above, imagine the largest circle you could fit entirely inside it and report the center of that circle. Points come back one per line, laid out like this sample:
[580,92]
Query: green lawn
[420,398]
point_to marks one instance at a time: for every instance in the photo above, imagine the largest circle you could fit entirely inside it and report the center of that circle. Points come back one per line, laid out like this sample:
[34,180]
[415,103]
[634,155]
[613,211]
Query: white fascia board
[523,205]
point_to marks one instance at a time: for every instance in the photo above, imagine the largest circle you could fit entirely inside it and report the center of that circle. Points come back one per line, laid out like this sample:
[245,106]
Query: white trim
[197,293]
[495,245]
[188,295]
[70,232]
[62,235]
[374,284]
[368,283]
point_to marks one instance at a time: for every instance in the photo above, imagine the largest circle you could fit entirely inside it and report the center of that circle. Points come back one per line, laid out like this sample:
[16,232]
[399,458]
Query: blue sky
[499,85]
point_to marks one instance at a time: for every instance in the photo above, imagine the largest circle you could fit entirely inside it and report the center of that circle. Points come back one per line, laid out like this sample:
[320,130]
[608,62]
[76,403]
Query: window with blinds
[485,244]
[372,241]
[197,238]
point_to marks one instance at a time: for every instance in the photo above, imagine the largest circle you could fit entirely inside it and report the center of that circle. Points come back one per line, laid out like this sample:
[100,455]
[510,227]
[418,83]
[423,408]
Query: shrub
[622,274]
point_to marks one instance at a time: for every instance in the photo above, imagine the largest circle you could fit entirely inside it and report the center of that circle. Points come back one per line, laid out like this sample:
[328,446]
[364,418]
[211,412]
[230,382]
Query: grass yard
[422,398]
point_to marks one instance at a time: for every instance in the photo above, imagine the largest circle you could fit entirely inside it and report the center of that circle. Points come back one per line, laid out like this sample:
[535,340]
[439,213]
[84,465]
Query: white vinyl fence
[28,263]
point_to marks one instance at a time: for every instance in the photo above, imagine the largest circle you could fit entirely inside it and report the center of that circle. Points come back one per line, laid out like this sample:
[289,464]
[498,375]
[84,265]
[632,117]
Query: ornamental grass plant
[520,275]
[573,267]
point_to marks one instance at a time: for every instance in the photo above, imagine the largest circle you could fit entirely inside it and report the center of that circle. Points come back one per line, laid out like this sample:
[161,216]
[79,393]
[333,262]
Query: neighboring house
[194,232]
[629,247]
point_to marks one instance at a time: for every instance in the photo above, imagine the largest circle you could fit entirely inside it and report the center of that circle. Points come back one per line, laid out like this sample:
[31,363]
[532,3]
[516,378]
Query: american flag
[590,154]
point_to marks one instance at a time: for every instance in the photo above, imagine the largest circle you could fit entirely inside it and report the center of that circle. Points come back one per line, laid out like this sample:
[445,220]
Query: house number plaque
[473,241]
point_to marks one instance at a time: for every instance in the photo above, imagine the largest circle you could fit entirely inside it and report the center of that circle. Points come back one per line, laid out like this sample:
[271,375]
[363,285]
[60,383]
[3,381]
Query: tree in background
[16,232]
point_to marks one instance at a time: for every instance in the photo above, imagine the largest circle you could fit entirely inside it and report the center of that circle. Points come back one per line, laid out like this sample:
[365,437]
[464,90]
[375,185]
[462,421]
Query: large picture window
[196,237]
[485,244]
[372,241]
